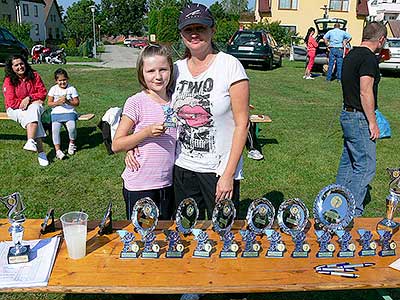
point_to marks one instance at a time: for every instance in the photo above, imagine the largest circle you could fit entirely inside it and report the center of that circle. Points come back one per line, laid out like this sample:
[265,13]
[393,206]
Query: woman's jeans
[358,162]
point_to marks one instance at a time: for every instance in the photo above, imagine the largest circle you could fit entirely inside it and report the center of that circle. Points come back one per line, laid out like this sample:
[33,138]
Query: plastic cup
[74,225]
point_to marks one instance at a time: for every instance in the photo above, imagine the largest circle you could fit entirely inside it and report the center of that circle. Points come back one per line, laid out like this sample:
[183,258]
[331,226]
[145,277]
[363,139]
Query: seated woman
[24,93]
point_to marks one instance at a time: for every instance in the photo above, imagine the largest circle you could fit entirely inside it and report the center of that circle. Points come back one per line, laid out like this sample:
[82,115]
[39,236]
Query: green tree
[123,16]
[78,20]
[234,7]
[225,29]
[20,31]
[218,11]
[167,29]
[153,17]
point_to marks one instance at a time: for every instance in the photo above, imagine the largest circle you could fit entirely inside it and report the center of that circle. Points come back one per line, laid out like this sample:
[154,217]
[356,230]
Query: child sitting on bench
[63,98]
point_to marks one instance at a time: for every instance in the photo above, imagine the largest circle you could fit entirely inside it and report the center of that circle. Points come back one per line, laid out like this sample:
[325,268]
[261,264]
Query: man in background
[360,78]
[336,40]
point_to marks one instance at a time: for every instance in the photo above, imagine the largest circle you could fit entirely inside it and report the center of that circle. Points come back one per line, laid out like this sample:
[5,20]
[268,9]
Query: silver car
[392,64]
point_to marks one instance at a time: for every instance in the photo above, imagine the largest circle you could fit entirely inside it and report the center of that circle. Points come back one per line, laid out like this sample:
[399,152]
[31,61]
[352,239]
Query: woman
[211,100]
[24,94]
[311,51]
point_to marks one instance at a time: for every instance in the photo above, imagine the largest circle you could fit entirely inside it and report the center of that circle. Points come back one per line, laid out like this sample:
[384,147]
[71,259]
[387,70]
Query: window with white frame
[35,11]
[287,4]
[339,5]
[25,9]
[36,29]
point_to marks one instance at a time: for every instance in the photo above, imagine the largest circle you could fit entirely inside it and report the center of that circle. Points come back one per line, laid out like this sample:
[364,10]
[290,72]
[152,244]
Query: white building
[32,11]
[384,10]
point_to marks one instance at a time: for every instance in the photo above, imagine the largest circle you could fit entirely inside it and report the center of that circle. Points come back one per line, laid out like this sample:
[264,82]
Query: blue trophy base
[22,257]
[125,255]
[278,254]
[150,254]
[390,252]
[250,254]
[346,254]
[174,254]
[370,252]
[324,254]
[201,254]
[300,254]
[227,254]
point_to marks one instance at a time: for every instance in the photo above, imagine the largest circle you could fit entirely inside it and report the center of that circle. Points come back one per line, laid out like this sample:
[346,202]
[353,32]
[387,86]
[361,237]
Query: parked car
[139,44]
[256,47]
[392,46]
[322,26]
[9,45]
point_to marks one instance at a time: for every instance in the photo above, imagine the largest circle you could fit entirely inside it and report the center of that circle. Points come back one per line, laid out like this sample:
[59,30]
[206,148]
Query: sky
[66,3]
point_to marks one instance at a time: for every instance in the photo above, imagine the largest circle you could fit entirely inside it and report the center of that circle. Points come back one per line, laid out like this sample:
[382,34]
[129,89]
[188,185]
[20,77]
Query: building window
[4,1]
[57,33]
[50,33]
[36,29]
[289,28]
[287,4]
[25,9]
[7,18]
[35,11]
[339,5]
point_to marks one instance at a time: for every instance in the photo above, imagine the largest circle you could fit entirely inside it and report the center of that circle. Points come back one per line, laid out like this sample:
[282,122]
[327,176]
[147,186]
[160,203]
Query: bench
[84,117]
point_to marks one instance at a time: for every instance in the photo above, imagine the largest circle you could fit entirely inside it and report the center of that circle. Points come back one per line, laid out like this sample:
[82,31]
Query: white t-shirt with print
[69,92]
[203,107]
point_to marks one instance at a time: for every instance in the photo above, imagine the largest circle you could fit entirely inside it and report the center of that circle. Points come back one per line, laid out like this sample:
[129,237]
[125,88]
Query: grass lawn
[81,59]
[302,147]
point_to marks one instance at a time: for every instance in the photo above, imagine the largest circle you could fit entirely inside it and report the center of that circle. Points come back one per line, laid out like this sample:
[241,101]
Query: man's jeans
[335,54]
[358,162]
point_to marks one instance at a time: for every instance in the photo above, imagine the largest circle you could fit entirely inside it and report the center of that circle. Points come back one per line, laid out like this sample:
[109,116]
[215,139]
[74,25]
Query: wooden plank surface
[101,271]
[260,119]
[84,117]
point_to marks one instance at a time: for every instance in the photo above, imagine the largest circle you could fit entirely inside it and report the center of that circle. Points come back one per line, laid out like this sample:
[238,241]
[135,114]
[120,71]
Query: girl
[311,51]
[143,114]
[63,98]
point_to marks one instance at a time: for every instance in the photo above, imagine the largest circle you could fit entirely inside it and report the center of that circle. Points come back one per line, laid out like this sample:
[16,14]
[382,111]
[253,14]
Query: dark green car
[256,47]
[9,45]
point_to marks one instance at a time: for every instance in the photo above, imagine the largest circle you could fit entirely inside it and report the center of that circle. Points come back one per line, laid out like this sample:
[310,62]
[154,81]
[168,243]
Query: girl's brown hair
[150,51]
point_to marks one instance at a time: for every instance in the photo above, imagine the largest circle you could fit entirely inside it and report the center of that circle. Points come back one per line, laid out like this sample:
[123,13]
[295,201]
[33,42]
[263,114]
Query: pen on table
[331,265]
[342,274]
[339,269]
[358,265]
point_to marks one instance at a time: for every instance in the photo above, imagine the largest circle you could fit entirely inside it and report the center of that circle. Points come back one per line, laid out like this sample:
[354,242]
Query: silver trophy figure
[18,253]
[391,203]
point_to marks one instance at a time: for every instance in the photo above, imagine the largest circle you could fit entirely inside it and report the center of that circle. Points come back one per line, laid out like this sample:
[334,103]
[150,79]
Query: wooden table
[102,271]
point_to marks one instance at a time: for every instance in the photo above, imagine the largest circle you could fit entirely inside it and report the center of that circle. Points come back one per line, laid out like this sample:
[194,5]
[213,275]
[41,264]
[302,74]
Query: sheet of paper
[36,272]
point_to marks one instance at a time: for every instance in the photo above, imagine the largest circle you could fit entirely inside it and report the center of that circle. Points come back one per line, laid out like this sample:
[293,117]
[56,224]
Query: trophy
[170,118]
[334,208]
[391,203]
[131,248]
[276,247]
[326,248]
[18,253]
[175,247]
[45,227]
[186,218]
[368,246]
[388,245]
[347,247]
[301,248]
[145,218]
[292,215]
[251,246]
[223,217]
[204,246]
[105,226]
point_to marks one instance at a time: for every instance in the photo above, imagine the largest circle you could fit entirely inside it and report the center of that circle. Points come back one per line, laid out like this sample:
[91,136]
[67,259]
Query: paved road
[116,57]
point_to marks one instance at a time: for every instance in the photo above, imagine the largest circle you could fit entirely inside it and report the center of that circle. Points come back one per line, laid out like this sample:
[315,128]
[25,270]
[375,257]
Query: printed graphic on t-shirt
[193,109]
